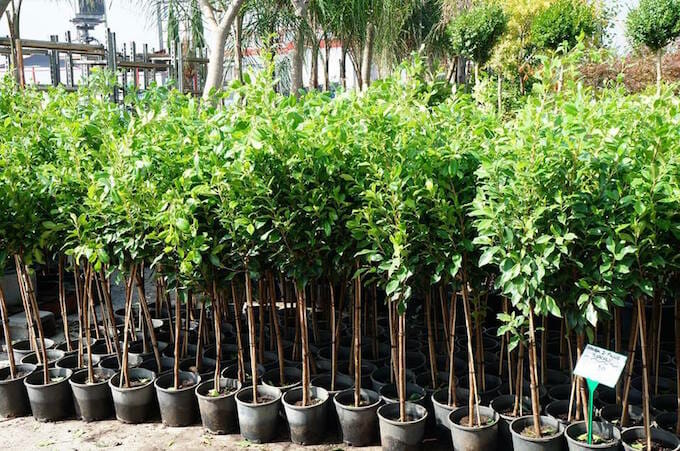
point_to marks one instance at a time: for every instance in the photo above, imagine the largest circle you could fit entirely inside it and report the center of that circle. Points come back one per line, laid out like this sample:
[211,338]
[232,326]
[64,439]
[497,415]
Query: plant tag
[600,365]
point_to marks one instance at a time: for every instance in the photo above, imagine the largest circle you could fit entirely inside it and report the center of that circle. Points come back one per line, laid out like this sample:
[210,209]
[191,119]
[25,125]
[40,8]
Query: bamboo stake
[8,337]
[125,377]
[106,290]
[452,398]
[535,408]
[334,347]
[471,360]
[519,383]
[199,342]
[239,343]
[217,317]
[402,367]
[645,376]
[147,316]
[87,300]
[632,343]
[62,303]
[277,329]
[251,333]
[79,298]
[302,309]
[357,341]
[28,288]
[430,338]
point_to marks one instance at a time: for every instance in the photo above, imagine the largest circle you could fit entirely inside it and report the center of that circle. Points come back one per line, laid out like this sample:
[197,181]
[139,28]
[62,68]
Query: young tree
[654,24]
[563,22]
[475,31]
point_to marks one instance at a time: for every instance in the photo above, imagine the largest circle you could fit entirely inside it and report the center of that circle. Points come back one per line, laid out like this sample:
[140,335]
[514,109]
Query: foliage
[475,31]
[654,23]
[563,21]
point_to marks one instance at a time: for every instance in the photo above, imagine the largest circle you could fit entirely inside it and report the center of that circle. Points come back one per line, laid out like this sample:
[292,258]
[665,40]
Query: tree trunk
[297,55]
[217,309]
[334,349]
[199,341]
[472,378]
[239,343]
[251,334]
[659,60]
[645,376]
[402,366]
[178,322]
[632,343]
[367,57]
[357,342]
[277,329]
[238,48]
[326,63]
[62,303]
[519,383]
[147,318]
[535,407]
[304,336]
[452,398]
[314,79]
[8,337]
[125,378]
[343,65]
[430,338]
[87,303]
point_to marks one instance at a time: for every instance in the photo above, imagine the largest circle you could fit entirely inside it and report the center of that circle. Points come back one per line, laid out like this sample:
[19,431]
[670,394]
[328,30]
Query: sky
[133,22]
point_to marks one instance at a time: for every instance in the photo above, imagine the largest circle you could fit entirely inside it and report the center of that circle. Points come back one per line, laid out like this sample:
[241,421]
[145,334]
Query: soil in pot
[92,398]
[481,435]
[178,406]
[504,405]
[633,439]
[524,437]
[307,424]
[13,397]
[135,403]
[53,401]
[612,414]
[397,435]
[606,436]
[218,409]
[258,421]
[291,378]
[358,425]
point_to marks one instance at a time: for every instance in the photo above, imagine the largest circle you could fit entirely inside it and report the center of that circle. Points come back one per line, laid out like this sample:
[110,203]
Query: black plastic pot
[22,348]
[111,362]
[307,424]
[167,364]
[218,413]
[606,431]
[401,436]
[359,425]
[231,372]
[52,356]
[501,404]
[258,422]
[441,407]
[13,398]
[382,376]
[612,414]
[493,384]
[70,362]
[664,403]
[53,401]
[523,443]
[92,401]
[206,369]
[134,404]
[558,409]
[414,394]
[74,346]
[292,378]
[342,382]
[470,438]
[664,438]
[178,407]
[560,392]
[667,421]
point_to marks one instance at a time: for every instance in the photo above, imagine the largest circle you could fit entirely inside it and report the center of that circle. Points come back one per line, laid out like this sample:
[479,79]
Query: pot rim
[278,397]
[323,398]
[131,389]
[542,418]
[397,422]
[95,369]
[9,381]
[40,370]
[224,396]
[352,408]
[593,446]
[495,417]
[182,374]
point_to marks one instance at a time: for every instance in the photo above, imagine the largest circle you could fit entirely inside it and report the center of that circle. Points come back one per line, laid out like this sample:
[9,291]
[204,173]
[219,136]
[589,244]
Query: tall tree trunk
[87,304]
[367,57]
[326,63]
[277,329]
[8,336]
[238,48]
[535,408]
[297,56]
[304,336]
[125,378]
[217,317]
[402,365]
[314,79]
[452,398]
[239,342]
[645,375]
[472,382]
[62,303]
[251,334]
[343,65]
[430,338]
[219,32]
[147,317]
[632,343]
[357,342]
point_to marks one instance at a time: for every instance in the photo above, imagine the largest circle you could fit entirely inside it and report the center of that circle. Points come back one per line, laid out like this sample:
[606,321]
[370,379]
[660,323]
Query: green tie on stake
[598,366]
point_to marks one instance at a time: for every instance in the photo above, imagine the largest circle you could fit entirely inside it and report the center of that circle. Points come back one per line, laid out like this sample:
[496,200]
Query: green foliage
[475,31]
[564,21]
[654,23]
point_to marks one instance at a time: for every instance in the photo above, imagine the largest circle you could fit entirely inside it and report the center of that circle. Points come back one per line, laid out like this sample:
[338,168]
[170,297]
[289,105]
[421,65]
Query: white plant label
[600,365]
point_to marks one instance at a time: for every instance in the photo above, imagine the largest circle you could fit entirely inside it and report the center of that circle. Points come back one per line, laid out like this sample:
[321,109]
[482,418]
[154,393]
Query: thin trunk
[334,346]
[62,303]
[367,57]
[277,329]
[402,366]
[261,306]
[304,335]
[452,398]
[326,63]
[472,382]
[218,335]
[519,383]
[582,382]
[315,66]
[297,56]
[343,65]
[251,333]
[125,378]
[357,342]
[178,322]
[677,358]
[430,338]
[79,296]
[149,324]
[106,291]
[445,317]
[535,407]
[393,341]
[199,342]
[632,343]
[28,288]
[87,304]
[27,309]
[239,344]
[500,94]
[8,336]
[645,377]
[659,60]
[238,47]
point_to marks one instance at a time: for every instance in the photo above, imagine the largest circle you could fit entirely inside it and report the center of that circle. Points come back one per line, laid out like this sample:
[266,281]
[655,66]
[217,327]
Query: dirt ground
[27,434]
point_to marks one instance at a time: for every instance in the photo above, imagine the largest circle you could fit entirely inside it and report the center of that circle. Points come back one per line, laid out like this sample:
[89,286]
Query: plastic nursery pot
[135,403]
[664,403]
[167,364]
[522,442]
[231,372]
[632,436]
[52,356]
[504,405]
[667,421]
[342,382]
[22,348]
[383,376]
[111,362]
[559,410]
[307,423]
[92,400]
[206,369]
[401,436]
[218,410]
[178,406]
[53,401]
[606,436]
[258,422]
[70,362]
[414,394]
[475,437]
[442,409]
[291,378]
[13,398]
[74,346]
[612,414]
[490,391]
[359,425]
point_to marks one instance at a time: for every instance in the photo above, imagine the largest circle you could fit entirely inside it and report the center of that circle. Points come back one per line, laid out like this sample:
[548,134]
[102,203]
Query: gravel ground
[28,434]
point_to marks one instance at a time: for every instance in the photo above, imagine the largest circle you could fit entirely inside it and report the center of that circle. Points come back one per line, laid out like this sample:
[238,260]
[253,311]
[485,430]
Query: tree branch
[208,12]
